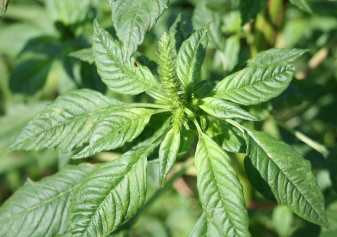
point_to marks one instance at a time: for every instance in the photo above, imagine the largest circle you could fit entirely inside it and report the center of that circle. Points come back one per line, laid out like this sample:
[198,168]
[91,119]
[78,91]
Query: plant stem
[315,145]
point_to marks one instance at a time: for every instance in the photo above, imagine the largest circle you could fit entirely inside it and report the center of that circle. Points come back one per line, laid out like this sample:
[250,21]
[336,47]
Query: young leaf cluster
[104,197]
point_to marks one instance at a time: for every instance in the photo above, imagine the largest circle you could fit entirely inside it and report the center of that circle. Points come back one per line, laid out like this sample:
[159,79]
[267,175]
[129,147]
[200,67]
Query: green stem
[315,145]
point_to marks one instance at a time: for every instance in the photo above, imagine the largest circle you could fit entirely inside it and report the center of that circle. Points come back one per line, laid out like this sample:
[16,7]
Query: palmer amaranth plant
[97,200]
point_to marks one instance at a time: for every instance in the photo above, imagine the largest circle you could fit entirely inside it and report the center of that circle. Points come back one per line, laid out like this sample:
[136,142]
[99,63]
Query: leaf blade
[224,110]
[168,152]
[255,84]
[282,175]
[204,228]
[41,208]
[117,191]
[134,18]
[123,75]
[191,56]
[220,190]
[84,55]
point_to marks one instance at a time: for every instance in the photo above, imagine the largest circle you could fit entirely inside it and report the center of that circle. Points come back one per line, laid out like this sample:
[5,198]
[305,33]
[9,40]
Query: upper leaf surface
[205,228]
[41,208]
[276,56]
[132,19]
[86,55]
[116,128]
[168,152]
[278,172]
[110,195]
[123,75]
[224,110]
[68,122]
[191,56]
[220,190]
[3,6]
[255,84]
[177,33]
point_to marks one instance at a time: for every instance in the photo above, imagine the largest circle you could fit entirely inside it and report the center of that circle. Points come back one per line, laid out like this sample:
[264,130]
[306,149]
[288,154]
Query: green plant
[105,198]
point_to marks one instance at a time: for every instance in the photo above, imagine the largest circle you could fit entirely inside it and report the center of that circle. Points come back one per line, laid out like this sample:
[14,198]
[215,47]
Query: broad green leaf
[68,12]
[249,9]
[110,195]
[224,110]
[191,56]
[228,137]
[121,75]
[86,55]
[68,122]
[255,84]
[204,228]
[177,33]
[29,76]
[3,6]
[280,174]
[302,4]
[168,152]
[276,56]
[116,128]
[231,52]
[202,15]
[41,208]
[220,190]
[133,19]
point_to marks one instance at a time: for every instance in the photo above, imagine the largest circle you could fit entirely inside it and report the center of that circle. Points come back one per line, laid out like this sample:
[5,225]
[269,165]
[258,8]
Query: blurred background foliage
[38,39]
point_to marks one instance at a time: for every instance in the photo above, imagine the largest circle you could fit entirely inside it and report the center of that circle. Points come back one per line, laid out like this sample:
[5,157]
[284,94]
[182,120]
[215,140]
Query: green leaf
[282,219]
[220,190]
[177,33]
[67,123]
[249,9]
[68,12]
[41,208]
[86,55]
[168,152]
[3,6]
[110,195]
[121,75]
[255,84]
[228,137]
[224,110]
[204,228]
[133,19]
[29,76]
[191,56]
[118,127]
[276,56]
[280,174]
[302,4]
